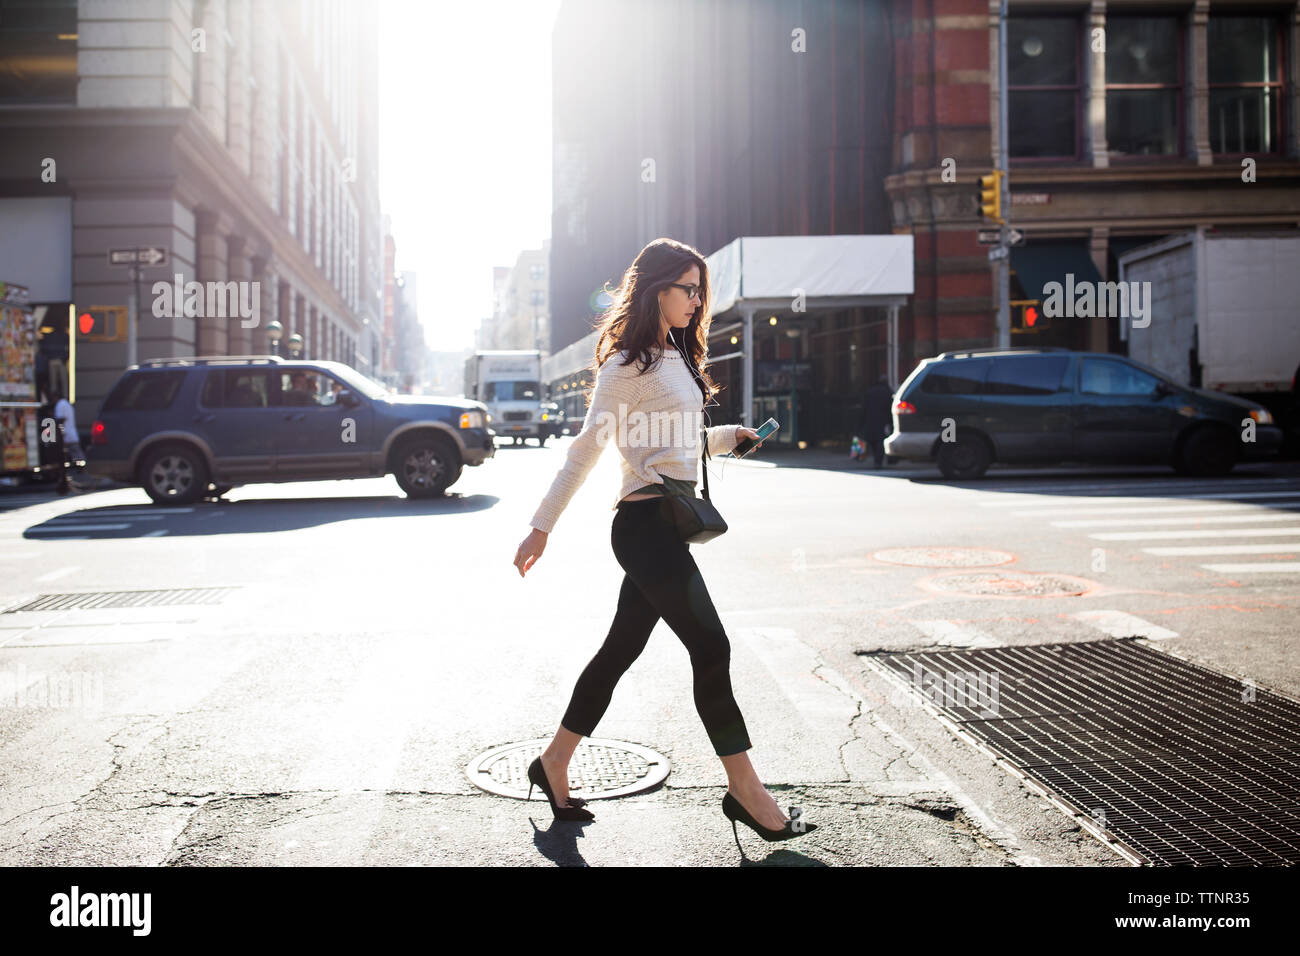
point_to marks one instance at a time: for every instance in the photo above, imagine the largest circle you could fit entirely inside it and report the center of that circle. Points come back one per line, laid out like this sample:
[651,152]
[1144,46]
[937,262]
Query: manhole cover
[1009,584]
[600,768]
[944,557]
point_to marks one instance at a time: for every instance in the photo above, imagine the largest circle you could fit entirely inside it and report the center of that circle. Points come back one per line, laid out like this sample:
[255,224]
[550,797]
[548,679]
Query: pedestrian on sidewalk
[69,451]
[658,321]
[877,418]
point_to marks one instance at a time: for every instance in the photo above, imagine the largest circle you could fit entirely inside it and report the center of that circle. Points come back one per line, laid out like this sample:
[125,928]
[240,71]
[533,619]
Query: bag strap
[704,434]
[704,457]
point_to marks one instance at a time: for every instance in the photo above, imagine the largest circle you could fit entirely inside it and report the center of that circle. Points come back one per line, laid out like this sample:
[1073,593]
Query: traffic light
[991,196]
[1027,315]
[102,323]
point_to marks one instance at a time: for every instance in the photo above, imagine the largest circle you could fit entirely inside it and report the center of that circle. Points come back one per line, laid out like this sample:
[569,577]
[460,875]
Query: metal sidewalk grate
[1184,765]
[113,599]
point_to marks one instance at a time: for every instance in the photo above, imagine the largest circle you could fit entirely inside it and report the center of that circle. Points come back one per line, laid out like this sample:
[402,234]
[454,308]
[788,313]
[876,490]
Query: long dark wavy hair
[632,322]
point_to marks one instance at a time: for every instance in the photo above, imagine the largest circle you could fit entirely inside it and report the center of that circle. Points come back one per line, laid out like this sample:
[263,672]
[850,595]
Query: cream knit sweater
[655,420]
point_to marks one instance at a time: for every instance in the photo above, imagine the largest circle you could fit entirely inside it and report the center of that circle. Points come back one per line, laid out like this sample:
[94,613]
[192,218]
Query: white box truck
[509,384]
[1224,315]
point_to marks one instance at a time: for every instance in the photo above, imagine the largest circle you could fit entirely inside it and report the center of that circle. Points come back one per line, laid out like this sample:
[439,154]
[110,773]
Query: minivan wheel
[964,458]
[1207,452]
[174,474]
[425,467]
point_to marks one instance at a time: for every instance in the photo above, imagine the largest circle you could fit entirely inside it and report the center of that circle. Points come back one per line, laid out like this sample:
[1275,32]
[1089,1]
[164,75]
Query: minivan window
[956,376]
[1026,375]
[1106,377]
[236,388]
[145,391]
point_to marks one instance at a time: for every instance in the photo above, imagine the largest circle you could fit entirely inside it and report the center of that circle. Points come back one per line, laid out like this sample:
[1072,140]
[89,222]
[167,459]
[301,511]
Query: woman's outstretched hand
[530,549]
[749,433]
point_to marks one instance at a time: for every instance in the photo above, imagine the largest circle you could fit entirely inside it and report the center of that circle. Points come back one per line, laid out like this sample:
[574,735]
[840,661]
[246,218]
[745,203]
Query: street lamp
[273,332]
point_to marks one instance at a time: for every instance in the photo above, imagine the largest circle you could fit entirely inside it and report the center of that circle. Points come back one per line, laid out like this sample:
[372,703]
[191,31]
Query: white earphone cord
[707,416]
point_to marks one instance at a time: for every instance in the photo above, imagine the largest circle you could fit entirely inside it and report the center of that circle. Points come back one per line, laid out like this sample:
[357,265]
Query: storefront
[19,400]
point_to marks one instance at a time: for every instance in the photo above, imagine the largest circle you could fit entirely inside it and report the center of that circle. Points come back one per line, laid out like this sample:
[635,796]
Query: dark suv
[966,410]
[190,428]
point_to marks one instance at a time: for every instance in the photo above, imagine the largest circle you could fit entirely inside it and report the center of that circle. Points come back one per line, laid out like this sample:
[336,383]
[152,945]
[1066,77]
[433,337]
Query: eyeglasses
[691,290]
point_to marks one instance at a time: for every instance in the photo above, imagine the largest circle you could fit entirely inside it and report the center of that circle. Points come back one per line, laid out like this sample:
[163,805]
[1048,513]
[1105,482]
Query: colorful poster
[17,353]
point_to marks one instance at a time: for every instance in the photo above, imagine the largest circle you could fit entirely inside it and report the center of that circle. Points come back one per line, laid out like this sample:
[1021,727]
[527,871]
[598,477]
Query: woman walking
[648,366]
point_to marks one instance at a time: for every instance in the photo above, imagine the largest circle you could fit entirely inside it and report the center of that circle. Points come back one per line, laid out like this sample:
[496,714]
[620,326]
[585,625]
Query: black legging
[661,580]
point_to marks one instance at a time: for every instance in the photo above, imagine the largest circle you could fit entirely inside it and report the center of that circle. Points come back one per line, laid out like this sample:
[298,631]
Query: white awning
[829,271]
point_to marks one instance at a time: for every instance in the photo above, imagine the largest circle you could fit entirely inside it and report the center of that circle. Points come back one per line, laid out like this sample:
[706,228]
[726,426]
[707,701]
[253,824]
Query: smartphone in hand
[746,445]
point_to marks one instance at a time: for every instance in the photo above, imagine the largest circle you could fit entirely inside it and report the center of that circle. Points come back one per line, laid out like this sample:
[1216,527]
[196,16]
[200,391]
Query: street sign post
[137,258]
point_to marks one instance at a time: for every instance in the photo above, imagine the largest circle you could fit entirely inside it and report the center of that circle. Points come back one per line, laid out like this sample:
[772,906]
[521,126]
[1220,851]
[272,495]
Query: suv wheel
[426,466]
[1207,452]
[964,458]
[174,474]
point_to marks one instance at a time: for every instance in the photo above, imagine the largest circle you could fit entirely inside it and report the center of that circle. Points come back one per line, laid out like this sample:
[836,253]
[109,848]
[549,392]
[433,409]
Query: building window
[38,52]
[1144,89]
[1245,55]
[1044,89]
[536,272]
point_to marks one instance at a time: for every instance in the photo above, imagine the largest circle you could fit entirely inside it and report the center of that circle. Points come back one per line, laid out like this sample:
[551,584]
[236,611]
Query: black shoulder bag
[696,519]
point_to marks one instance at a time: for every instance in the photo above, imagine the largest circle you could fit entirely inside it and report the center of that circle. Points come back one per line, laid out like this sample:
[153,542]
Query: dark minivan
[966,410]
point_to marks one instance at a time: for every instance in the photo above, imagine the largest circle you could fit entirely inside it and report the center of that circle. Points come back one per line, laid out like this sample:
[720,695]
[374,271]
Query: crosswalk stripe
[955,634]
[61,573]
[58,519]
[1278,547]
[1202,533]
[1139,510]
[1281,567]
[1122,624]
[51,529]
[1186,519]
[1154,496]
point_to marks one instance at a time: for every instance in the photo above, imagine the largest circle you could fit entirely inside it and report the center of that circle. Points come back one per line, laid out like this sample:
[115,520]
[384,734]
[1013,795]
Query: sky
[464,148]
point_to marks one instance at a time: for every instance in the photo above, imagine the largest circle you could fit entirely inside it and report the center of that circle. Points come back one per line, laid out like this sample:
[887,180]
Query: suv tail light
[97,436]
[904,408]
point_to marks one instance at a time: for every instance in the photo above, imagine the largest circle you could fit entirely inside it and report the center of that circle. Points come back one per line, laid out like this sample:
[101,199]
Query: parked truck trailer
[1224,315]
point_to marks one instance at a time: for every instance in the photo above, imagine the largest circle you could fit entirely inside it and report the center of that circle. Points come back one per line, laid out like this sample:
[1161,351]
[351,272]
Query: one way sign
[990,237]
[145,256]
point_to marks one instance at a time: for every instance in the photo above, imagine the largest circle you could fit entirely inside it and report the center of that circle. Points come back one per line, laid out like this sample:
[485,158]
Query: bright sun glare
[465,148]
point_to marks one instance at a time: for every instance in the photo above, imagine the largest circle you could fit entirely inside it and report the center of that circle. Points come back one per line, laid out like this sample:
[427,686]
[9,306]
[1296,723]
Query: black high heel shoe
[735,811]
[537,777]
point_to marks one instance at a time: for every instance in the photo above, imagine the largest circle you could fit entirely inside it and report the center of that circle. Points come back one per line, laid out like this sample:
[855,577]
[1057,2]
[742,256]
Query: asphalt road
[322,708]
